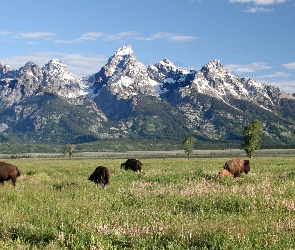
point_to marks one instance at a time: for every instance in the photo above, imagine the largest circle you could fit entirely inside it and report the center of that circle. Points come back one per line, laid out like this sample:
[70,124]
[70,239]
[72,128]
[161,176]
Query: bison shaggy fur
[237,166]
[101,175]
[8,172]
[132,164]
[224,173]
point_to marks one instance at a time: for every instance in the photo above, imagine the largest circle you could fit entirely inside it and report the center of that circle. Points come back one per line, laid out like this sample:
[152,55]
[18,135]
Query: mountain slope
[49,118]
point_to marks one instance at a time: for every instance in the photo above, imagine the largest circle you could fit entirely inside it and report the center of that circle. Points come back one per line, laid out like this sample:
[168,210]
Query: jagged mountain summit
[127,100]
[216,81]
[58,80]
[167,77]
[31,80]
[123,76]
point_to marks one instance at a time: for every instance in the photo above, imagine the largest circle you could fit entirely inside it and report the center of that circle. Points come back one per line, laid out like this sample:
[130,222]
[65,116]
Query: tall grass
[173,204]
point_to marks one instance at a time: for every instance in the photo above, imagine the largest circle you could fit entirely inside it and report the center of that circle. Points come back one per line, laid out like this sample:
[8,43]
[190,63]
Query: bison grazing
[7,172]
[237,167]
[101,175]
[132,164]
[224,173]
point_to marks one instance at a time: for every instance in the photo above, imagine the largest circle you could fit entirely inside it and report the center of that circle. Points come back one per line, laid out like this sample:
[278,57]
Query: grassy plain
[175,203]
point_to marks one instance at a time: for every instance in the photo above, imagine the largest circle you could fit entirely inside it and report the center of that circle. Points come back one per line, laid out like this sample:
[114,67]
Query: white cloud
[144,38]
[247,68]
[83,65]
[31,42]
[63,41]
[34,35]
[30,38]
[122,35]
[276,75]
[172,37]
[96,35]
[289,65]
[79,64]
[257,9]
[90,36]
[4,33]
[259,2]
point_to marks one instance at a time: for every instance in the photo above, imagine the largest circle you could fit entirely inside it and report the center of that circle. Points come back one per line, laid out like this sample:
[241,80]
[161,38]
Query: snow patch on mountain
[57,68]
[125,50]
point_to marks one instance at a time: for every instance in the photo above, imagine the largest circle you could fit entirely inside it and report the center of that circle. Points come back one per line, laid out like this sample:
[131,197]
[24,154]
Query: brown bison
[101,175]
[237,166]
[224,173]
[7,172]
[132,164]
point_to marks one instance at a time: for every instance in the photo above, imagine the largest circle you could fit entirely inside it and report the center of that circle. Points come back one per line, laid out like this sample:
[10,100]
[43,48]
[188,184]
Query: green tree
[69,150]
[252,135]
[188,144]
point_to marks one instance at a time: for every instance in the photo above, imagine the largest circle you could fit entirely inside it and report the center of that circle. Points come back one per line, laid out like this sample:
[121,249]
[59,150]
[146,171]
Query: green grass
[175,203]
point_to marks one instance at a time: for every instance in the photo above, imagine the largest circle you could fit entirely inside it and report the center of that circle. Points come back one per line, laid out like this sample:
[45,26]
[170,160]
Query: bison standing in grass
[237,166]
[132,164]
[8,172]
[101,175]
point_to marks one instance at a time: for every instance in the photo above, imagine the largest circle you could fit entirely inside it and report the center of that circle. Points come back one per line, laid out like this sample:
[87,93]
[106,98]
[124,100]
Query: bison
[101,175]
[224,173]
[132,164]
[237,166]
[7,172]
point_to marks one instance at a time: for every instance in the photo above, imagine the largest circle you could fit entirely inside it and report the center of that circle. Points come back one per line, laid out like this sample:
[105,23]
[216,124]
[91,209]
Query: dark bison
[132,164]
[7,172]
[237,166]
[101,175]
[224,173]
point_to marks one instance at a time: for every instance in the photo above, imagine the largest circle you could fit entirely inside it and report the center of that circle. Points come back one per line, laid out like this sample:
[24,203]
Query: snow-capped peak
[4,68]
[3,65]
[57,68]
[125,50]
[56,64]
[167,62]
[215,67]
[56,61]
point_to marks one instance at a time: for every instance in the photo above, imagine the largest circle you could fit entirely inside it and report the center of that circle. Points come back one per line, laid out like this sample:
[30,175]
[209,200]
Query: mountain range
[127,100]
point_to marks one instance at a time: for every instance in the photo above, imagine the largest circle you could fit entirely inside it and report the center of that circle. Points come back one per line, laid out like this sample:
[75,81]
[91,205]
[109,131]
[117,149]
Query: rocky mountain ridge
[126,99]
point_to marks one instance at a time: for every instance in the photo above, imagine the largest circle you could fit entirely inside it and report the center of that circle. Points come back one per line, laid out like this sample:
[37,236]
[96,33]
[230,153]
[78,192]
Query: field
[175,203]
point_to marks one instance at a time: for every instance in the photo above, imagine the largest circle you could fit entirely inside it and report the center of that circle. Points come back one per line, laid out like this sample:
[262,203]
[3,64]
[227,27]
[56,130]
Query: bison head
[246,166]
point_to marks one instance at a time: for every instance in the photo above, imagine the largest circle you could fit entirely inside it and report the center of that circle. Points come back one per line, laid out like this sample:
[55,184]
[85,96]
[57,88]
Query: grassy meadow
[175,203]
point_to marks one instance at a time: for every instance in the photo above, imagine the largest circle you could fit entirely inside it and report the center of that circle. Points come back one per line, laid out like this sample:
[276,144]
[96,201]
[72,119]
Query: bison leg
[13,181]
[237,175]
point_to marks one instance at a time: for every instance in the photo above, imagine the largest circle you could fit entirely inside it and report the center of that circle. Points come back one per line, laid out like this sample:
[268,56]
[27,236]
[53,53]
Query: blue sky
[253,38]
